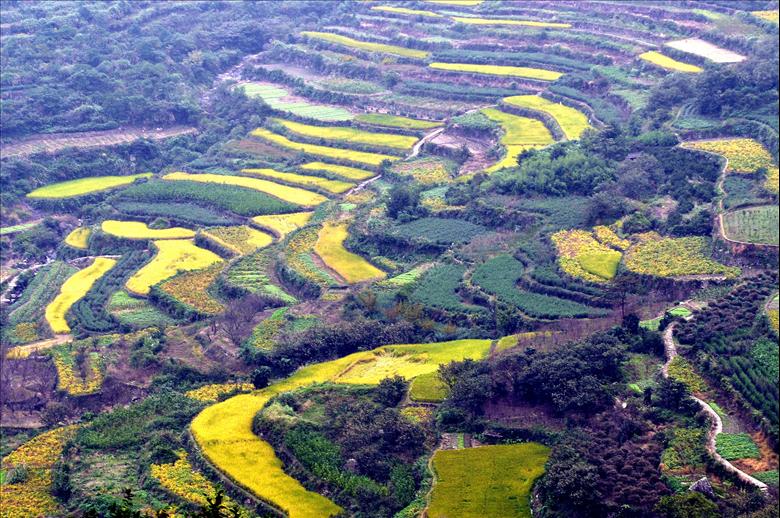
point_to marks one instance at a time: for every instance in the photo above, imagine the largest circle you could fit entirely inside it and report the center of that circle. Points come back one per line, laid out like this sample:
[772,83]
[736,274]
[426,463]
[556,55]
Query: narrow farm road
[716,423]
[420,143]
[23,351]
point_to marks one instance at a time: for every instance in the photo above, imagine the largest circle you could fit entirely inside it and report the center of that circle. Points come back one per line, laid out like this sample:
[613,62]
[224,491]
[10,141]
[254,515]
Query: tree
[391,391]
[403,199]
[261,377]
[687,505]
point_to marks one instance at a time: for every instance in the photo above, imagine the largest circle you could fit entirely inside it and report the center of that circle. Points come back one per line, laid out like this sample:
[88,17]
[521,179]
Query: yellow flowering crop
[82,186]
[140,230]
[745,155]
[520,133]
[368,46]
[506,21]
[608,237]
[572,122]
[74,289]
[283,224]
[241,239]
[672,257]
[331,186]
[172,256]
[349,134]
[658,59]
[211,393]
[350,173]
[330,247]
[580,255]
[360,157]
[191,288]
[78,238]
[500,70]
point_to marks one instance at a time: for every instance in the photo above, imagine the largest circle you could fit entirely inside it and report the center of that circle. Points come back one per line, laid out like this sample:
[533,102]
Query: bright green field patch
[17,228]
[278,99]
[520,133]
[572,122]
[486,481]
[428,388]
[753,225]
[350,173]
[366,45]
[83,186]
[732,446]
[348,134]
[499,70]
[395,121]
[602,265]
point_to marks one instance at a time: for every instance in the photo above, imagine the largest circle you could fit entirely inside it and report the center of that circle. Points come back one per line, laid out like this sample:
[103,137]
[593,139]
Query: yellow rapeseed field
[368,46]
[745,155]
[572,122]
[223,431]
[78,238]
[240,239]
[283,224]
[283,192]
[74,289]
[331,186]
[140,230]
[506,21]
[520,133]
[172,256]
[403,10]
[658,59]
[499,70]
[349,134]
[82,186]
[32,497]
[580,255]
[361,157]
[350,173]
[330,247]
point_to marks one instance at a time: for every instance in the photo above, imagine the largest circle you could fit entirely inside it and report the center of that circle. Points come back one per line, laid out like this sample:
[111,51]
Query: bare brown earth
[478,148]
[88,139]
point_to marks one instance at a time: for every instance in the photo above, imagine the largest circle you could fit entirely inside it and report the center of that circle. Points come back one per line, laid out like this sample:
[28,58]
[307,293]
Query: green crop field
[520,133]
[486,481]
[753,225]
[279,99]
[349,134]
[395,121]
[439,230]
[499,276]
[428,388]
[240,200]
[732,446]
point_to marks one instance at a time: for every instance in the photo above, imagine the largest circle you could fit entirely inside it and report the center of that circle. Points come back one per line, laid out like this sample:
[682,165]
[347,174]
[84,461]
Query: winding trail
[716,423]
[420,143]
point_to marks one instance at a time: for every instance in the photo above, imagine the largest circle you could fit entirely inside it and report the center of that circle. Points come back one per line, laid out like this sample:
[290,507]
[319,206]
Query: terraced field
[283,192]
[82,186]
[499,70]
[140,230]
[223,431]
[330,186]
[172,256]
[572,122]
[349,134]
[352,267]
[280,99]
[367,46]
[520,133]
[663,61]
[753,225]
[359,157]
[72,290]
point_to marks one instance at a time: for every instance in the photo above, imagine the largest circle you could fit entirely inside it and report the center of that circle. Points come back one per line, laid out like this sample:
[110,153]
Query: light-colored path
[420,143]
[716,424]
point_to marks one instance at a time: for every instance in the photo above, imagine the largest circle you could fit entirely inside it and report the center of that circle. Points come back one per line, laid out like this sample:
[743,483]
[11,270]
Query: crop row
[239,200]
[74,289]
[172,256]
